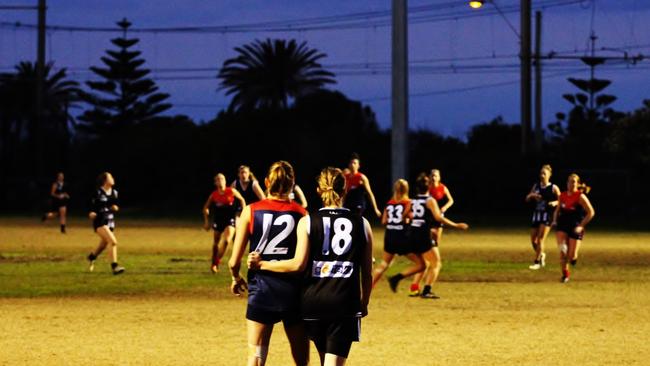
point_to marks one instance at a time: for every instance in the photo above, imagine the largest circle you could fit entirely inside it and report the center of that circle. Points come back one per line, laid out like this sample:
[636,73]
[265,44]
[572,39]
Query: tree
[124,96]
[265,74]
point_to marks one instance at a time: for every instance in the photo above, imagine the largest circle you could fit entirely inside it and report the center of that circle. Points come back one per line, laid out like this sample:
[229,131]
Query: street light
[476,4]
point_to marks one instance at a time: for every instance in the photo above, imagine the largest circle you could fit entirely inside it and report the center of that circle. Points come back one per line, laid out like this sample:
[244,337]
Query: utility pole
[525,58]
[40,85]
[539,134]
[399,100]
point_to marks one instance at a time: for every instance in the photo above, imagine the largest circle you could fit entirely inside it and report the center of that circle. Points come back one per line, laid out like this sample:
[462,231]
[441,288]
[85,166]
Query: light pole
[399,99]
[524,35]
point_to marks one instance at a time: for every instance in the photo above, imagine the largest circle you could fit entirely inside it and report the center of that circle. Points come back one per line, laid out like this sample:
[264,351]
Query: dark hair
[355,156]
[101,179]
[422,183]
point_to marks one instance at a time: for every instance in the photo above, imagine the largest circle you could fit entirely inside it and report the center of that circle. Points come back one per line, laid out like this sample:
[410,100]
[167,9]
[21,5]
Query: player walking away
[425,210]
[335,248]
[220,204]
[545,196]
[270,225]
[356,184]
[58,201]
[103,209]
[248,186]
[298,195]
[396,217]
[570,218]
[443,198]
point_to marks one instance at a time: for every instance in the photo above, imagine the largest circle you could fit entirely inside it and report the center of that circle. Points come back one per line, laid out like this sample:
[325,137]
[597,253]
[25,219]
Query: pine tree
[124,97]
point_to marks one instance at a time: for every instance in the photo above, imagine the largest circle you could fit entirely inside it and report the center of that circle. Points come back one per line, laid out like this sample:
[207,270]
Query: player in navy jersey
[58,201]
[396,218]
[270,225]
[104,205]
[570,218]
[357,186]
[220,204]
[248,187]
[425,211]
[335,252]
[544,195]
[443,198]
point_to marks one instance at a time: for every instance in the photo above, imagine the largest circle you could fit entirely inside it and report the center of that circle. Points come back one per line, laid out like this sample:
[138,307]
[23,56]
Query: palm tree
[265,74]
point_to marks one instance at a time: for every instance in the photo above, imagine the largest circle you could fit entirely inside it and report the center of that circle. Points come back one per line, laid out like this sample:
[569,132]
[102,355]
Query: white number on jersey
[394,213]
[418,208]
[271,247]
[341,242]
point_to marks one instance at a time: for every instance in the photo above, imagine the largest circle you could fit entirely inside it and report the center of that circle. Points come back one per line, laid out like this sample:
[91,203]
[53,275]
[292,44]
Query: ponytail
[280,178]
[582,186]
[401,190]
[331,186]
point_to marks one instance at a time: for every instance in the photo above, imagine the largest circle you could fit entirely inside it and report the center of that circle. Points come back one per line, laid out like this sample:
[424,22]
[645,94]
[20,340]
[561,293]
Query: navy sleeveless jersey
[273,234]
[422,217]
[248,193]
[337,240]
[101,204]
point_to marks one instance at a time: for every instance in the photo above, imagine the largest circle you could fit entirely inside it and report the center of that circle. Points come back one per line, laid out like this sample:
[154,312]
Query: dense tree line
[281,109]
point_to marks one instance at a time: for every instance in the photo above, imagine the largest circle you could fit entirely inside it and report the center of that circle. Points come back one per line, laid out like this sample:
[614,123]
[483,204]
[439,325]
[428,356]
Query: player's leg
[259,335]
[417,278]
[216,238]
[418,266]
[298,342]
[386,260]
[544,230]
[435,266]
[563,247]
[534,241]
[226,239]
[334,360]
[572,255]
[94,254]
[63,211]
[109,237]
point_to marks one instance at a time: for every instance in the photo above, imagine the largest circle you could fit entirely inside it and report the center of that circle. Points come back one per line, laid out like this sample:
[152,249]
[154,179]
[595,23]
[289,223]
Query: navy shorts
[265,316]
[334,336]
[420,240]
[395,242]
[570,230]
[220,224]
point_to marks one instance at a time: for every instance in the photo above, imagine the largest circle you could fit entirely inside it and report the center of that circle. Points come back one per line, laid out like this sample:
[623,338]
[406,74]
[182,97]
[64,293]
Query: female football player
[270,226]
[58,201]
[544,194]
[103,209]
[335,248]
[396,218]
[425,210]
[570,218]
[248,186]
[356,186]
[220,204]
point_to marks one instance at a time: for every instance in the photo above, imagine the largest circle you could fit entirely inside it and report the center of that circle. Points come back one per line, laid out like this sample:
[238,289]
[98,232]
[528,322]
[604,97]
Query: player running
[103,209]
[570,218]
[335,248]
[248,186]
[220,204]
[425,210]
[545,196]
[396,218]
[443,198]
[356,184]
[270,225]
[58,201]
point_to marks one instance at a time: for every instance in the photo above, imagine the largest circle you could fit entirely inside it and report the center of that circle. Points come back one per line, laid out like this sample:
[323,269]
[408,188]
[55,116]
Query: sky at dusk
[463,71]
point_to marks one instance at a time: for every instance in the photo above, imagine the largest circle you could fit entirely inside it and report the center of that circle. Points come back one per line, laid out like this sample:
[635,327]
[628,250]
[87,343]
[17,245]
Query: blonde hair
[331,186]
[401,190]
[281,178]
[582,186]
[549,169]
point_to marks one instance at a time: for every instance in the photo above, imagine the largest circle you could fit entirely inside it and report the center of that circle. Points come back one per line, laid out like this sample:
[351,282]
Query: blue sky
[440,99]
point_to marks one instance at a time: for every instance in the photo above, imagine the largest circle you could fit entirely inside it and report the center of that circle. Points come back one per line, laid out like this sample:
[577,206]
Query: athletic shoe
[118,270]
[91,262]
[414,293]
[535,266]
[429,295]
[214,268]
[542,260]
[564,279]
[574,262]
[392,282]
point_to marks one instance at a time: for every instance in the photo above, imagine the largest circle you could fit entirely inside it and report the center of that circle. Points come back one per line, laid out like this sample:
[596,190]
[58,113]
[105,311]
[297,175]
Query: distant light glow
[476,4]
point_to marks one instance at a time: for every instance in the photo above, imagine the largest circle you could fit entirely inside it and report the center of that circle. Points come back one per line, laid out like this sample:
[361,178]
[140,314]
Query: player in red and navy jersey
[545,196]
[439,192]
[335,252]
[425,211]
[570,218]
[58,201]
[248,186]
[104,205]
[357,186]
[220,204]
[396,218]
[270,226]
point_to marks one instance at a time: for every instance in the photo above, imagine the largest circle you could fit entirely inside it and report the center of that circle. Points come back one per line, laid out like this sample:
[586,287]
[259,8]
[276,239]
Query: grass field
[167,309]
